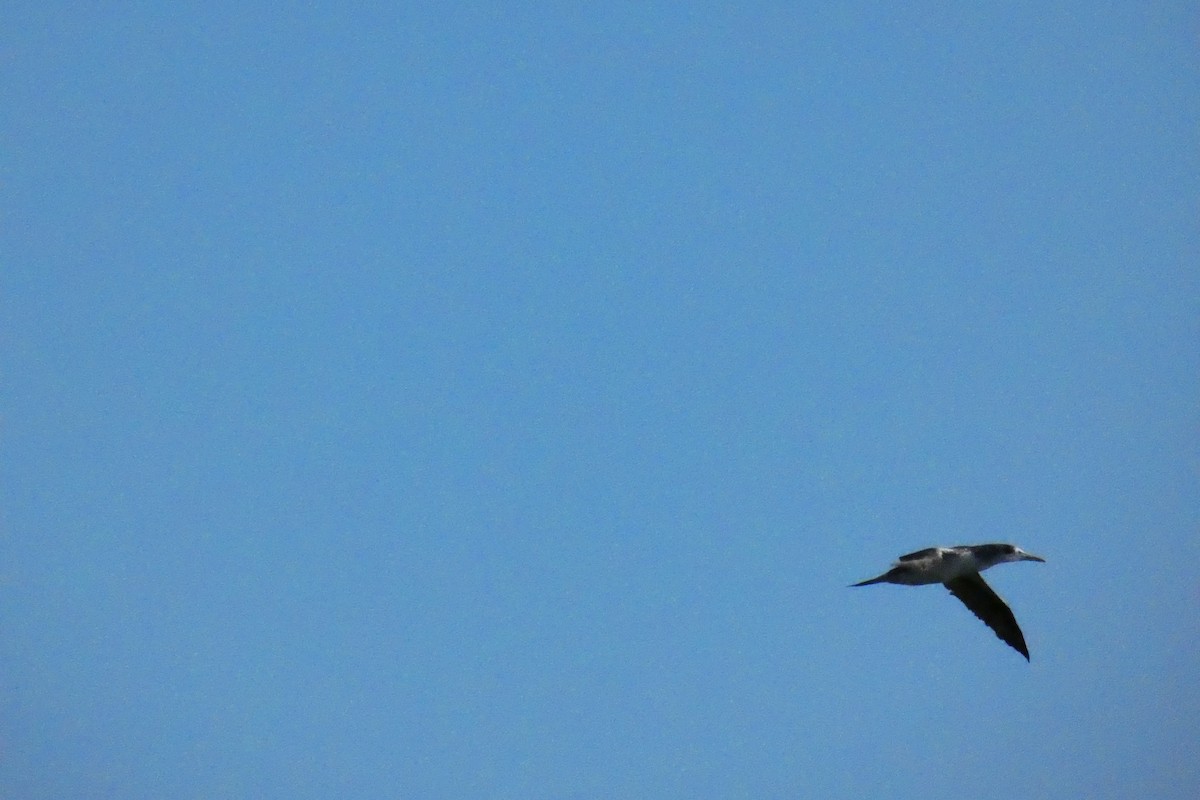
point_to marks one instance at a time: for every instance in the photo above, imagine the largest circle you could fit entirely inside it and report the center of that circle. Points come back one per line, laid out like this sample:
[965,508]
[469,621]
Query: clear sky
[496,400]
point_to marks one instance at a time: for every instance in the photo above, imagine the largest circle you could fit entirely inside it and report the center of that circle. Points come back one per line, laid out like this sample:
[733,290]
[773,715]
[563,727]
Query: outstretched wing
[926,553]
[984,603]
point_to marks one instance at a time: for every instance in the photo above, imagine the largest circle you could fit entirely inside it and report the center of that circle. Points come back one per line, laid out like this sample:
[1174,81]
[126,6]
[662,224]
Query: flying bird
[958,568]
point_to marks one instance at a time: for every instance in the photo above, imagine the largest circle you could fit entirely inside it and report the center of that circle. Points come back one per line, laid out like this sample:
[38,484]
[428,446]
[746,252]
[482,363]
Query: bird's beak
[1031,557]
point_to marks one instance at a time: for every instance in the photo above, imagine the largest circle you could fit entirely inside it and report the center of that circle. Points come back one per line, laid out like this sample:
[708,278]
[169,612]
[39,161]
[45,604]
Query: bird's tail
[881,579]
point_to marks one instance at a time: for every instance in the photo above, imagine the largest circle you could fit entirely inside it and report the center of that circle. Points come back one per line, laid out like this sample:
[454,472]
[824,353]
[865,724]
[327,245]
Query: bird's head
[1017,554]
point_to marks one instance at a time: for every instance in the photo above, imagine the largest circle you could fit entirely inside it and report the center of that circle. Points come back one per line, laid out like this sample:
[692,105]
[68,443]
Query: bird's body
[958,569]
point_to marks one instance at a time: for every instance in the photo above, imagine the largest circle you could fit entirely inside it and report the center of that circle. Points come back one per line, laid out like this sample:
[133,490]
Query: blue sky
[495,401]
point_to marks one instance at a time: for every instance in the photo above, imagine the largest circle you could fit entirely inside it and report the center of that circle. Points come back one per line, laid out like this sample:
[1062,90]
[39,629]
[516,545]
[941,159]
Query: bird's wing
[984,603]
[928,551]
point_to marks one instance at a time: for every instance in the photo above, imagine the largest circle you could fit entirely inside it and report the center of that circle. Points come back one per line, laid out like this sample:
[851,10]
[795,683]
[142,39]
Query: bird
[958,568]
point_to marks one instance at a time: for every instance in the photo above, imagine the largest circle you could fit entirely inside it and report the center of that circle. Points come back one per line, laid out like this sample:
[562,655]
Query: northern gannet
[958,569]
